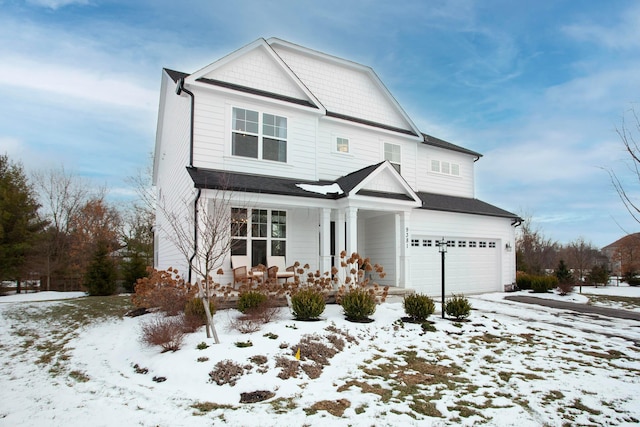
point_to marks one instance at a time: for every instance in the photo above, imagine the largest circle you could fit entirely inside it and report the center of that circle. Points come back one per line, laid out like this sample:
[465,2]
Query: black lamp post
[442,247]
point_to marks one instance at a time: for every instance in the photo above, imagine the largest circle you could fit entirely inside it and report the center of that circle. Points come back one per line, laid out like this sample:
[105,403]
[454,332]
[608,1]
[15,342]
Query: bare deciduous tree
[581,256]
[534,252]
[629,133]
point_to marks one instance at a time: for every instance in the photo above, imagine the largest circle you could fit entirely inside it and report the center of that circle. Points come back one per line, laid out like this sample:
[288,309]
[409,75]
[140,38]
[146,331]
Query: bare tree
[629,133]
[582,255]
[534,252]
[62,194]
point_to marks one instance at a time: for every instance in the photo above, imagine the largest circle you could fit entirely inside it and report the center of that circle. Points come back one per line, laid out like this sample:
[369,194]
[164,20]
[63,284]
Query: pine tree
[20,225]
[563,274]
[101,274]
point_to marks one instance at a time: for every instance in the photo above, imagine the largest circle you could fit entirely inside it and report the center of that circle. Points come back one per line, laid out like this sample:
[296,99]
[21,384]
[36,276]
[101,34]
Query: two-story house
[321,158]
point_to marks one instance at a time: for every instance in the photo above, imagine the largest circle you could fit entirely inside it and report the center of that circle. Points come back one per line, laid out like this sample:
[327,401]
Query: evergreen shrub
[542,284]
[194,308]
[418,307]
[458,306]
[523,281]
[358,304]
[307,304]
[251,300]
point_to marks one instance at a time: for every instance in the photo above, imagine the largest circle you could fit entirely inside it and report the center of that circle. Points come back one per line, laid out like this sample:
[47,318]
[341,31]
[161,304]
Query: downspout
[179,91]
[195,231]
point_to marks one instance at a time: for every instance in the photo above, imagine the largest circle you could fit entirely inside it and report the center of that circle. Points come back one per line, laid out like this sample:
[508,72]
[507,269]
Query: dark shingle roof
[175,75]
[233,181]
[440,143]
[442,202]
[350,181]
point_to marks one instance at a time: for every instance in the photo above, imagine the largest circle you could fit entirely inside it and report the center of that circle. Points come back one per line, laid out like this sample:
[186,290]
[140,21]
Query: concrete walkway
[581,308]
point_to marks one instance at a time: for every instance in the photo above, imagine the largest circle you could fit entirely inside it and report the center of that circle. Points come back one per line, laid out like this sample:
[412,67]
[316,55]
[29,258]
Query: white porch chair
[278,268]
[242,272]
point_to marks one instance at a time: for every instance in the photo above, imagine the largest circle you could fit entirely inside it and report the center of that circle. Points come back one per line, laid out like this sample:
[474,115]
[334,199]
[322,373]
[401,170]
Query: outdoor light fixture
[508,247]
[442,247]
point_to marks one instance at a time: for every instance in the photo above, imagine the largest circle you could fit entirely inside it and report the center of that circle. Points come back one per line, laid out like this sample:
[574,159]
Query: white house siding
[172,179]
[469,270]
[366,147]
[258,69]
[377,241]
[343,88]
[433,182]
[212,139]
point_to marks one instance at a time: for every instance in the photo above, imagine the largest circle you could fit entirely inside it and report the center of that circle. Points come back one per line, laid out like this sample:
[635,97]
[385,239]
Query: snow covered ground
[511,364]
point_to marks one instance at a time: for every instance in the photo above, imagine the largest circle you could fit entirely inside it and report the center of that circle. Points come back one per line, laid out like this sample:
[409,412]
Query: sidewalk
[582,308]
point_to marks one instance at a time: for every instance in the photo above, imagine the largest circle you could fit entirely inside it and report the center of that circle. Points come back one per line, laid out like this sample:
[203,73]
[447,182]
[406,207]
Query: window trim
[261,136]
[393,163]
[336,145]
[440,167]
[248,236]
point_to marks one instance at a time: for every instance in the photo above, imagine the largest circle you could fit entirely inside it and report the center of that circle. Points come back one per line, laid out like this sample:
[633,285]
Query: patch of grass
[334,407]
[384,393]
[627,303]
[608,355]
[552,396]
[271,336]
[204,407]
[577,404]
[283,405]
[79,376]
[361,409]
[243,344]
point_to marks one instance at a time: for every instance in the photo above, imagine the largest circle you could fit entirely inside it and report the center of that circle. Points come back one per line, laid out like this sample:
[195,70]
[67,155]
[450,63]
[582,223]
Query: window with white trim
[492,244]
[483,244]
[259,136]
[415,242]
[342,145]
[445,168]
[258,233]
[392,153]
[462,243]
[472,244]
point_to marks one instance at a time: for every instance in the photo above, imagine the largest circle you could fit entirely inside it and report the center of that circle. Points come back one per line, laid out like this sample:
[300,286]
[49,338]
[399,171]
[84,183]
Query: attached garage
[472,265]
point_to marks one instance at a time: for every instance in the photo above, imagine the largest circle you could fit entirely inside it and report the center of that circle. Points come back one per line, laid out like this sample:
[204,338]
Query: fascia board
[387,166]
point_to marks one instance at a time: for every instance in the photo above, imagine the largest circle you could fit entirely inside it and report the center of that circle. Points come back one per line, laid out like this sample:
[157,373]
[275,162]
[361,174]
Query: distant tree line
[57,228]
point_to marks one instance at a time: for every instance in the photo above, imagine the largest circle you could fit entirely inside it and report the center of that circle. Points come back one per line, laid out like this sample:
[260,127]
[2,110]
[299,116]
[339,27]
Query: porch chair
[242,272]
[278,269]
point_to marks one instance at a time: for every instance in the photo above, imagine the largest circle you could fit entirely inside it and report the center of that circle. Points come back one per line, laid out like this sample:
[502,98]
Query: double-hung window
[392,153]
[342,145]
[258,233]
[259,136]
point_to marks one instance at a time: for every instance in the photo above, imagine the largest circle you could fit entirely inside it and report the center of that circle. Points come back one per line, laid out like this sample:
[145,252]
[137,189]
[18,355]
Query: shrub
[167,332]
[633,281]
[418,307]
[251,300]
[358,304]
[101,274]
[457,307]
[195,308]
[164,290]
[523,281]
[226,372]
[565,288]
[307,304]
[542,284]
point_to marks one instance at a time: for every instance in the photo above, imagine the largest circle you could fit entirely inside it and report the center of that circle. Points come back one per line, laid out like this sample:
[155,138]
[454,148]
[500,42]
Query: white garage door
[471,265]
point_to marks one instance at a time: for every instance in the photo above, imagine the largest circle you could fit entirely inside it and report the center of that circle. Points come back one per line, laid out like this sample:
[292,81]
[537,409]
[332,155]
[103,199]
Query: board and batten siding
[377,241]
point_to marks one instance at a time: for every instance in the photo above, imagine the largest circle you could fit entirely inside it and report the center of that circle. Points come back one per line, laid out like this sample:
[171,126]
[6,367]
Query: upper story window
[259,136]
[392,153]
[342,145]
[445,168]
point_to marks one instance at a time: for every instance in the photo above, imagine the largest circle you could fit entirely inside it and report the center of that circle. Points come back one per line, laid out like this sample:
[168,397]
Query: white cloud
[625,35]
[56,4]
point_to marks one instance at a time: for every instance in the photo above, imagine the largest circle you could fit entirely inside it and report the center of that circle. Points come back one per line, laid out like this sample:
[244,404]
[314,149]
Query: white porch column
[340,242]
[352,230]
[325,240]
[402,243]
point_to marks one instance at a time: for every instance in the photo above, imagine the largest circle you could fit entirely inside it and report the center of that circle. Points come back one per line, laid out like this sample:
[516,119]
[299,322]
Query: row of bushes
[538,284]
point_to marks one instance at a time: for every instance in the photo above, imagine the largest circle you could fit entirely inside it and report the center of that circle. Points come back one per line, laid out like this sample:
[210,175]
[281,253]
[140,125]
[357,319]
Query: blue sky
[538,90]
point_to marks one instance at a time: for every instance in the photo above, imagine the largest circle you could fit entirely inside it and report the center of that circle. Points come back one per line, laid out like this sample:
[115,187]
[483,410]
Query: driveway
[581,308]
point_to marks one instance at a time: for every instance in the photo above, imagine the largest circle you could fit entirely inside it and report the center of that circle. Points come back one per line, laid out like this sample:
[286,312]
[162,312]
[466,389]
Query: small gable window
[342,145]
[392,153]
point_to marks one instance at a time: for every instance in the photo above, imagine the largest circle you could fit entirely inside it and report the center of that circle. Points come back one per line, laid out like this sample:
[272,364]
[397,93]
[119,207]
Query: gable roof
[442,202]
[628,240]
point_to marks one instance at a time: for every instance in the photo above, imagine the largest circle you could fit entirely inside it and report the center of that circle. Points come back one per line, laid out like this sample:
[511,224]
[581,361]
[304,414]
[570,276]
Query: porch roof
[443,202]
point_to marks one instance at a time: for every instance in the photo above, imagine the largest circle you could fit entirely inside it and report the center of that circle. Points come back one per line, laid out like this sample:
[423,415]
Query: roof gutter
[179,91]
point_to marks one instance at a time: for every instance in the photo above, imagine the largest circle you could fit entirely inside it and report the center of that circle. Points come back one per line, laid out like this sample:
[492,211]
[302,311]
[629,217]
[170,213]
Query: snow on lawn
[510,364]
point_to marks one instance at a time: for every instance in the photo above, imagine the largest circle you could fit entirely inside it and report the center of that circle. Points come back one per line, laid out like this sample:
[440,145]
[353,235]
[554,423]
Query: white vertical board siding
[433,182]
[468,270]
[173,182]
[380,246]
